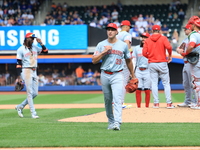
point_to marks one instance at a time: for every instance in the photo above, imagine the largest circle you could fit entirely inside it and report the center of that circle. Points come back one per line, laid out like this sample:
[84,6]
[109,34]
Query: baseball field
[77,119]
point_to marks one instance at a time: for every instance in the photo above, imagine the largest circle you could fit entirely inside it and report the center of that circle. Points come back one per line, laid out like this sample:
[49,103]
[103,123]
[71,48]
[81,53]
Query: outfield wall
[80,88]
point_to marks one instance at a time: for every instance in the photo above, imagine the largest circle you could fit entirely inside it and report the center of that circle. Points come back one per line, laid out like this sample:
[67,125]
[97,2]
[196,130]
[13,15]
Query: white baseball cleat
[19,111]
[156,105]
[35,117]
[195,107]
[192,105]
[183,105]
[110,126]
[116,126]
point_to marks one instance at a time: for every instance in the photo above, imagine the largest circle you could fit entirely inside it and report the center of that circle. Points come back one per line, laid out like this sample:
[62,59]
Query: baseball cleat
[156,105]
[170,106]
[183,105]
[35,117]
[116,126]
[195,107]
[19,111]
[110,126]
[192,105]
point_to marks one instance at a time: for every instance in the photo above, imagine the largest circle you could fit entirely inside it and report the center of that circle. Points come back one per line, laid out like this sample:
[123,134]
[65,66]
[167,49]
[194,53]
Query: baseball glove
[193,57]
[19,86]
[132,85]
[182,46]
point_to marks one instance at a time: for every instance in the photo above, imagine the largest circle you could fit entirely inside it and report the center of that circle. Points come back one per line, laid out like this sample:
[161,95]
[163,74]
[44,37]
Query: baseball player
[112,52]
[142,73]
[26,69]
[194,46]
[154,50]
[190,99]
[126,37]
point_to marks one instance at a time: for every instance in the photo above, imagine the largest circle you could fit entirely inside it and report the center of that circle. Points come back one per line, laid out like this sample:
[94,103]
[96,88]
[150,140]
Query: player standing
[112,52]
[186,73]
[194,46]
[154,50]
[142,73]
[26,69]
[126,37]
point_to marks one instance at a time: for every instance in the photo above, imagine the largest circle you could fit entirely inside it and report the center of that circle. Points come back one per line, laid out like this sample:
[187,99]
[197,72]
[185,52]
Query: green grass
[77,98]
[49,132]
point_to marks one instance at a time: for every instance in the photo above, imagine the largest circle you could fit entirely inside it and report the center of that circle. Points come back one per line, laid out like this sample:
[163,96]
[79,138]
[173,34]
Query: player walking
[142,73]
[194,46]
[154,50]
[126,37]
[190,99]
[112,51]
[26,69]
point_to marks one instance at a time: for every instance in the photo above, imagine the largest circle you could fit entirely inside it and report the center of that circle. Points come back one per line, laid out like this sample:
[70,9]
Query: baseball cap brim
[110,27]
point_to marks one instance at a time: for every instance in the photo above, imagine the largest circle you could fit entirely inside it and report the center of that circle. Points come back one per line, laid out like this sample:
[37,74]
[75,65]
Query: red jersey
[154,48]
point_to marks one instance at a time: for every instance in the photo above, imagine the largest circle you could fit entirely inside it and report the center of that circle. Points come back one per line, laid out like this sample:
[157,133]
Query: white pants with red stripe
[195,70]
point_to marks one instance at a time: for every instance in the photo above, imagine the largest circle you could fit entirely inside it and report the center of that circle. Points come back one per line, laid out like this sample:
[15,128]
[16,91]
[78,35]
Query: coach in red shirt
[154,50]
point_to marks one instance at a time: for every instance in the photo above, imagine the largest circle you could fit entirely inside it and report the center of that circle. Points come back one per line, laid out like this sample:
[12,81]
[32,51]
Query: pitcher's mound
[150,114]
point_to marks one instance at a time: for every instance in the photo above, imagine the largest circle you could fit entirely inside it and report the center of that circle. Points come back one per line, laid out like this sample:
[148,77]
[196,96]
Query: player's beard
[29,42]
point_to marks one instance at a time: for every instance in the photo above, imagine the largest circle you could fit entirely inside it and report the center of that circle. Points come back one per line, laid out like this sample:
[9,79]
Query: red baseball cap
[28,35]
[111,25]
[188,26]
[125,23]
[192,19]
[197,22]
[156,27]
[145,34]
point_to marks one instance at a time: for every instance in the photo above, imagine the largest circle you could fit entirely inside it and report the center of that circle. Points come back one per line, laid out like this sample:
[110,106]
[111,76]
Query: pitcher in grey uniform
[126,37]
[142,73]
[190,97]
[26,67]
[194,46]
[112,52]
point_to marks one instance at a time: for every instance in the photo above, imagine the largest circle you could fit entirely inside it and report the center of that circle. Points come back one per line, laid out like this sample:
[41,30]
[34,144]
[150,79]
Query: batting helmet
[192,19]
[197,22]
[28,35]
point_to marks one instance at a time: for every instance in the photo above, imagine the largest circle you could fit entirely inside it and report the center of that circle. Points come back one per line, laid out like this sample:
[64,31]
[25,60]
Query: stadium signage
[54,37]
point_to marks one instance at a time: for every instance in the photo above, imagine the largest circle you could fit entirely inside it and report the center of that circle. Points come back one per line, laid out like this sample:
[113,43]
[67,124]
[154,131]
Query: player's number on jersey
[118,61]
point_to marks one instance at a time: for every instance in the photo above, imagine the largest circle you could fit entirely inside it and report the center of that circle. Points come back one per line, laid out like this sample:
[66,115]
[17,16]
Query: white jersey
[141,61]
[194,37]
[123,36]
[112,61]
[28,57]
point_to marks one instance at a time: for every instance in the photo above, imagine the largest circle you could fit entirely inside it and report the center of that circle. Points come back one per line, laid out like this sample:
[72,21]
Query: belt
[142,68]
[185,62]
[32,68]
[108,72]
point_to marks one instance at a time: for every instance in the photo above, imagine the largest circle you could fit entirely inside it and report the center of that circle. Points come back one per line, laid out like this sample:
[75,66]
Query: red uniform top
[154,48]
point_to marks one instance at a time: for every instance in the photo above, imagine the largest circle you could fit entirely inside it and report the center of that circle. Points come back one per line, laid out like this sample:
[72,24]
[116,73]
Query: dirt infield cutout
[134,114]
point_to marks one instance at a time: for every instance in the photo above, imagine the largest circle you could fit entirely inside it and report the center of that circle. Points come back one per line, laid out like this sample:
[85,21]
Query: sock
[147,97]
[138,98]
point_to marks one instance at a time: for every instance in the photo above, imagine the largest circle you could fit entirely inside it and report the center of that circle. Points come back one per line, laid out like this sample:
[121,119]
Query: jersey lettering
[118,61]
[115,52]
